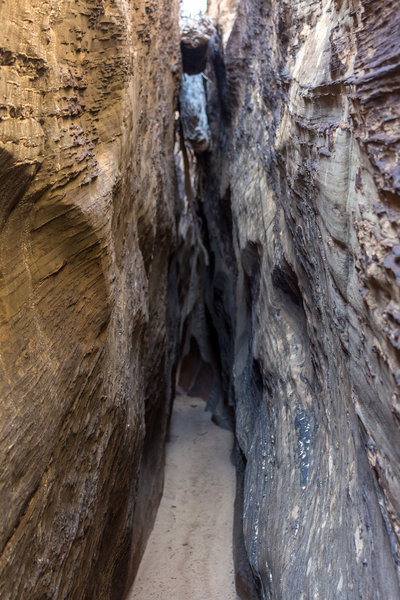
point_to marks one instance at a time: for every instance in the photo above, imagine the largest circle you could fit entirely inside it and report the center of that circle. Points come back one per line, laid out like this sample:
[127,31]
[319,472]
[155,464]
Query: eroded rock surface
[300,200]
[87,94]
[288,270]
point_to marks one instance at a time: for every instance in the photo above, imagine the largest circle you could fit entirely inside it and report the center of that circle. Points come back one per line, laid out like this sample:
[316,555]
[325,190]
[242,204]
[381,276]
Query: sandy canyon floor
[189,553]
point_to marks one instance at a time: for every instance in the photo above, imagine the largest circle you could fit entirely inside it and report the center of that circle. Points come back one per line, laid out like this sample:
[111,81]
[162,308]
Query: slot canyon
[203,208]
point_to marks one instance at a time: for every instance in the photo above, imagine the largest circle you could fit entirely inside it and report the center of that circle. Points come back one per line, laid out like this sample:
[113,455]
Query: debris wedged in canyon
[193,112]
[196,34]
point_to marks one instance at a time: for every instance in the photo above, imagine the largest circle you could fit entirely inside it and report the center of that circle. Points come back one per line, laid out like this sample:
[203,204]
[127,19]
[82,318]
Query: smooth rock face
[87,228]
[300,203]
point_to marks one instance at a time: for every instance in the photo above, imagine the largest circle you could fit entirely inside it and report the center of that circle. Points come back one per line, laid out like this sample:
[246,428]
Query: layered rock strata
[299,205]
[88,91]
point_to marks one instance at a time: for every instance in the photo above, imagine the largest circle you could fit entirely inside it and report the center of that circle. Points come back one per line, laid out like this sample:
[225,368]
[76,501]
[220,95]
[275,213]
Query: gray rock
[300,201]
[192,103]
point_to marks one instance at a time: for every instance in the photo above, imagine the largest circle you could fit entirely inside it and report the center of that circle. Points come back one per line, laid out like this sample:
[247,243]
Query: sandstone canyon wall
[87,96]
[276,265]
[299,204]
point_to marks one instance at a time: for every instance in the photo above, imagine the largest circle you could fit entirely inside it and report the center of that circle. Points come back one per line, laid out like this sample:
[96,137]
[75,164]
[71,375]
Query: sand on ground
[189,552]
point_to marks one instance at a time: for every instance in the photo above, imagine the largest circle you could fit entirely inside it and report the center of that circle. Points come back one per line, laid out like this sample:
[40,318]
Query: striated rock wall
[300,197]
[87,94]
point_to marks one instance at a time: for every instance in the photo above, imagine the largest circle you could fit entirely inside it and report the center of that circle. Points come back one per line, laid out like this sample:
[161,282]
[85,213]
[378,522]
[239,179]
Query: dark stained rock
[277,266]
[300,211]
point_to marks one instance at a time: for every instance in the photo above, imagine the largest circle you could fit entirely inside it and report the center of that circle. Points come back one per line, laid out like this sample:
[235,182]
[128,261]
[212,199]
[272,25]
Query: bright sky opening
[191,8]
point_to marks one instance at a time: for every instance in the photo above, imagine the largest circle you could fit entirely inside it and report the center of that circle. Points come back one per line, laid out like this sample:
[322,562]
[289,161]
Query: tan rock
[87,90]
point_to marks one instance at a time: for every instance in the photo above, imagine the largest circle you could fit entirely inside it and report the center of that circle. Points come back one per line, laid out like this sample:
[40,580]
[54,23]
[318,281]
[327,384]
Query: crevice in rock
[207,333]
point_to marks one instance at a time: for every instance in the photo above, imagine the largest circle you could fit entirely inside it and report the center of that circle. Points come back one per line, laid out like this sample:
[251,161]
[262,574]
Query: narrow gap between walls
[202,501]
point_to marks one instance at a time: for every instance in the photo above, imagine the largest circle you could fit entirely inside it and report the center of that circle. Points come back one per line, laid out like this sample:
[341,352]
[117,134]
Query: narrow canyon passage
[202,193]
[189,552]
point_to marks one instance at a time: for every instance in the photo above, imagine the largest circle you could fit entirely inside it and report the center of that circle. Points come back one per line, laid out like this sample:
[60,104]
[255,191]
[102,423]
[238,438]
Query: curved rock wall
[87,92]
[301,199]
